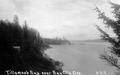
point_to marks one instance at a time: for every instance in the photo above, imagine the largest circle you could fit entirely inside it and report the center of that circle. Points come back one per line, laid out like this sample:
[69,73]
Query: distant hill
[94,40]
[90,40]
[56,41]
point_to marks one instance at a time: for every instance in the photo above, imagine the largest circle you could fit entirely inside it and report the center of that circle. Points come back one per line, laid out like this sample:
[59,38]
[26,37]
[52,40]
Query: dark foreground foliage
[22,49]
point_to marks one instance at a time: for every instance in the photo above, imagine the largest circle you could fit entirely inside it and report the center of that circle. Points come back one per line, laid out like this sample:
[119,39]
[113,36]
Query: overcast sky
[72,19]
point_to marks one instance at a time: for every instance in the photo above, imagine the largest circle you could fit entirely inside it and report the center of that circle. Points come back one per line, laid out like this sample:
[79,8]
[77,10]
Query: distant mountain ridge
[94,40]
[90,40]
[56,41]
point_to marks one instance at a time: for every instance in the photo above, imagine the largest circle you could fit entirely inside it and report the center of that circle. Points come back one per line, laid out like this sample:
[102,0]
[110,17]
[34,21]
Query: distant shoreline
[56,41]
[93,40]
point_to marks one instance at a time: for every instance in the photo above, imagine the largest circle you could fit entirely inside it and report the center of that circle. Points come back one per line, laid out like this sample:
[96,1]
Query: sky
[71,19]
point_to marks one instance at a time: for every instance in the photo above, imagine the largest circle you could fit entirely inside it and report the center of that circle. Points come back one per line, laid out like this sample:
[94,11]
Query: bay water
[83,57]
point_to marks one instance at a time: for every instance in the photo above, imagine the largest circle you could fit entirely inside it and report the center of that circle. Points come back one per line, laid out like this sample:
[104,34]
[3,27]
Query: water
[82,57]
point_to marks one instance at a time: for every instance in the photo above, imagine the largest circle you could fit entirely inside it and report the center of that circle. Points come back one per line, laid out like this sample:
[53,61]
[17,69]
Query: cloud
[55,17]
[60,17]
[20,5]
[100,2]
[6,9]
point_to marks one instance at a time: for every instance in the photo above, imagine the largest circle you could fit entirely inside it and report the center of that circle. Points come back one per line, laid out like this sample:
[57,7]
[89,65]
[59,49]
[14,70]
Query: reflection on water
[82,57]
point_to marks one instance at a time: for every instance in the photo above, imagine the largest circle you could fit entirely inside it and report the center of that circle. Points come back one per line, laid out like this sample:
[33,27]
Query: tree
[22,49]
[113,55]
[16,19]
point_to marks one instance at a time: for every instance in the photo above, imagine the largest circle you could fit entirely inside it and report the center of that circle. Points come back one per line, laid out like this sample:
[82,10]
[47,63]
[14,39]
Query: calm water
[82,57]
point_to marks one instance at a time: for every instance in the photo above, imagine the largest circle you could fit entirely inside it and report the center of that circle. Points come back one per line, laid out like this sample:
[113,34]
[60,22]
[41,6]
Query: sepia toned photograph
[59,37]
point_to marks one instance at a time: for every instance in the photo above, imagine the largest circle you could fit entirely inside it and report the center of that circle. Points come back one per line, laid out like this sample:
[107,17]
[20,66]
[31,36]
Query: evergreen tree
[22,49]
[16,20]
[113,55]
